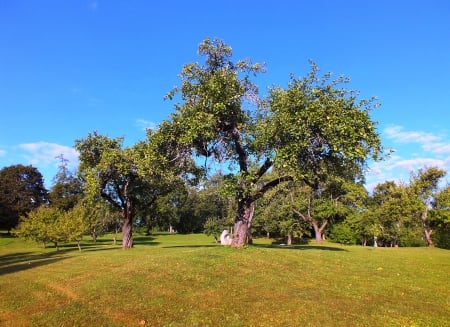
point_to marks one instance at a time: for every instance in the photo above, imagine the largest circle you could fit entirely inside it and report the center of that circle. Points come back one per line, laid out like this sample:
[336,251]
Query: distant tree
[440,215]
[327,203]
[313,127]
[21,190]
[164,205]
[67,189]
[394,209]
[100,218]
[71,225]
[424,187]
[275,216]
[202,203]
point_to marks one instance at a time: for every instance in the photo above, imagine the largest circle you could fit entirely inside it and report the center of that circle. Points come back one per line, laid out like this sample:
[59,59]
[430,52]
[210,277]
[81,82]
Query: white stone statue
[225,238]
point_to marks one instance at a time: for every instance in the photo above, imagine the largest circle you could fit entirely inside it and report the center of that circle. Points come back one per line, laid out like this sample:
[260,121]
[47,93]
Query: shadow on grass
[299,247]
[144,240]
[14,262]
[191,246]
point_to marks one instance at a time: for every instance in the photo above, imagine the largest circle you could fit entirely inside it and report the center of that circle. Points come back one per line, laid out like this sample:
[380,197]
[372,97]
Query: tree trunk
[116,231]
[94,235]
[242,227]
[318,231]
[426,230]
[127,232]
[289,239]
[79,245]
[427,234]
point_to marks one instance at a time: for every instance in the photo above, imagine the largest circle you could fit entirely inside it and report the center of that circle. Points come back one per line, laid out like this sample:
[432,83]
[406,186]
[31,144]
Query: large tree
[308,130]
[21,190]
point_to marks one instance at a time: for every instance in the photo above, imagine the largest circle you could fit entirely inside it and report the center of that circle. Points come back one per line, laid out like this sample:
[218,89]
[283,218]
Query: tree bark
[94,235]
[127,234]
[426,230]
[242,226]
[127,231]
[289,239]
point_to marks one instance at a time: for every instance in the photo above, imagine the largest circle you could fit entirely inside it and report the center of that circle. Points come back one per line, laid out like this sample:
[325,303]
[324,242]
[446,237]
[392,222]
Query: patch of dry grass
[187,280]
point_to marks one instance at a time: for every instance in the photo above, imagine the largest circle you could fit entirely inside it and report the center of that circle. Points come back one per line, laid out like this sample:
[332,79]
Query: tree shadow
[144,240]
[14,262]
[300,247]
[192,246]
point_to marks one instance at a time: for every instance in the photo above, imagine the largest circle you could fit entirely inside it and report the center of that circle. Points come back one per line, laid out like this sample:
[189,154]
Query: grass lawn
[187,280]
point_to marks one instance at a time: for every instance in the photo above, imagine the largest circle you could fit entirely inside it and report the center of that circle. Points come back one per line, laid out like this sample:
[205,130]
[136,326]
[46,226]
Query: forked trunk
[242,228]
[318,230]
[427,233]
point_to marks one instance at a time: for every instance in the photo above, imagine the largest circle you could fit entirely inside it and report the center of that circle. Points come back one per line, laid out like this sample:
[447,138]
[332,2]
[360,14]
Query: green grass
[187,280]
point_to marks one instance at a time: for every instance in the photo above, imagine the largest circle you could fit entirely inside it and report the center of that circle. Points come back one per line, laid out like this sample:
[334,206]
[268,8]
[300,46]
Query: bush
[441,237]
[342,233]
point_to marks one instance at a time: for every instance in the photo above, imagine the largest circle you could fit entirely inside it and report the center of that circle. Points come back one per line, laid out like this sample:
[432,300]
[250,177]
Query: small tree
[49,224]
[72,225]
[40,226]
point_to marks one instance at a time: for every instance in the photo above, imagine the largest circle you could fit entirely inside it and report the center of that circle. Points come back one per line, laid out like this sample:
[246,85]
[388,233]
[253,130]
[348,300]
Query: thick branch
[302,216]
[263,169]
[307,218]
[270,185]
[242,155]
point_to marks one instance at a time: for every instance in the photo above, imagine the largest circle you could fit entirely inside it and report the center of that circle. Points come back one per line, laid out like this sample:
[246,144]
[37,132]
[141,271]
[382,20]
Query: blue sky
[70,67]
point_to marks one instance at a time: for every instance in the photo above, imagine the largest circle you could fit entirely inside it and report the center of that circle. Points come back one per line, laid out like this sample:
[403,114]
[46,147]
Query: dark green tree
[21,190]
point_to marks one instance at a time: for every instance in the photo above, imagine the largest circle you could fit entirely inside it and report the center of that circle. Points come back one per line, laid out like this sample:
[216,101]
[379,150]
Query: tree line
[289,164]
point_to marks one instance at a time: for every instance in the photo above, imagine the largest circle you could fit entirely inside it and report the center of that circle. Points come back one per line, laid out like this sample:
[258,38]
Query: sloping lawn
[188,280]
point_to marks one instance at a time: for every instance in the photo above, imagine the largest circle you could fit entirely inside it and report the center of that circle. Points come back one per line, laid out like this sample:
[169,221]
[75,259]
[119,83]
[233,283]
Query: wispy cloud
[45,154]
[145,124]
[2,153]
[429,142]
[431,150]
